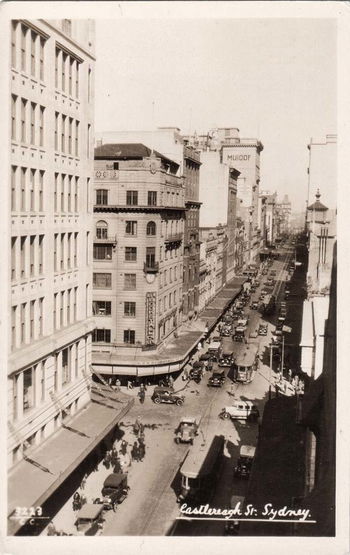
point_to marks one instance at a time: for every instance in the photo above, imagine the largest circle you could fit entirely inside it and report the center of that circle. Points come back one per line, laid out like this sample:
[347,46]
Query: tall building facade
[52,116]
[322,170]
[139,216]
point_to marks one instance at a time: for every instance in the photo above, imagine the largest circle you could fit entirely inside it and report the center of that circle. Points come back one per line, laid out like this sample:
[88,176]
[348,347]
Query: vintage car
[254,305]
[196,372]
[187,429]
[277,336]
[226,331]
[89,520]
[239,333]
[225,359]
[241,410]
[217,379]
[166,394]
[115,490]
[245,461]
[262,329]
[205,357]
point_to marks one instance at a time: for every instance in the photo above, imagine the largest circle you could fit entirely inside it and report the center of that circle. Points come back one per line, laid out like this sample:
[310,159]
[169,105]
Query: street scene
[171,292]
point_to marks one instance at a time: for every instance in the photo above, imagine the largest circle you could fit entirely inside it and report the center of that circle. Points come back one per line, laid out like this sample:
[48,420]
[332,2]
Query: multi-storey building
[138,253]
[322,169]
[169,141]
[209,259]
[52,69]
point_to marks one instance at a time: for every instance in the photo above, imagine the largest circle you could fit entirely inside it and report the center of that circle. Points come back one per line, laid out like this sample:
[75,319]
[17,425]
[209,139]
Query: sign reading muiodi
[235,157]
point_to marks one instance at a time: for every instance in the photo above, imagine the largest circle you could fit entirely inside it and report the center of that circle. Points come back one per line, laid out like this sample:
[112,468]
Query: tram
[201,468]
[245,364]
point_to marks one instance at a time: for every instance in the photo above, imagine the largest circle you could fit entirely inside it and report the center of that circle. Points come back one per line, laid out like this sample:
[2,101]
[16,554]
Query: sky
[274,79]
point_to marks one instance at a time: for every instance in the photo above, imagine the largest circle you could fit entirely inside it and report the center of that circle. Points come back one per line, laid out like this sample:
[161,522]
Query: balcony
[174,238]
[151,267]
[109,240]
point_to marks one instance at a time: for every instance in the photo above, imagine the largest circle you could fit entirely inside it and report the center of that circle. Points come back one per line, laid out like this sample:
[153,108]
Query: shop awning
[34,479]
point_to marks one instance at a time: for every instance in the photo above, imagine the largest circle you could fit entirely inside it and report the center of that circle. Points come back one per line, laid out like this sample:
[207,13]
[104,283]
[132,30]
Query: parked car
[165,394]
[115,490]
[245,461]
[90,519]
[196,373]
[217,379]
[262,329]
[187,429]
[239,333]
[241,410]
[254,305]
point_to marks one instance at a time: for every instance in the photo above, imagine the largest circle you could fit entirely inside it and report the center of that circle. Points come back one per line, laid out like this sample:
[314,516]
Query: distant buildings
[138,251]
[52,116]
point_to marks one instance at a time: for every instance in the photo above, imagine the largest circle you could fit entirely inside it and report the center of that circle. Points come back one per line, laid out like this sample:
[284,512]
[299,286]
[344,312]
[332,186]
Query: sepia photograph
[170,176]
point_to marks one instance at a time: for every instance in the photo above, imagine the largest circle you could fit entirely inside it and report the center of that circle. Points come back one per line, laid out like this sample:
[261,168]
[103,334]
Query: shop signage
[150,327]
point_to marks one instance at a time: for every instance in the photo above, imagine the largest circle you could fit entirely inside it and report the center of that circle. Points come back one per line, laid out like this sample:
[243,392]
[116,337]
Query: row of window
[65,308]
[66,193]
[27,50]
[104,336]
[27,121]
[27,322]
[66,134]
[104,252]
[132,198]
[65,251]
[27,189]
[168,301]
[67,72]
[30,386]
[130,229]
[104,308]
[27,257]
[169,275]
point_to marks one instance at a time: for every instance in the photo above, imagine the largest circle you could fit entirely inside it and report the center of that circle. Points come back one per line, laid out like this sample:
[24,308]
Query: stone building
[139,216]
[51,157]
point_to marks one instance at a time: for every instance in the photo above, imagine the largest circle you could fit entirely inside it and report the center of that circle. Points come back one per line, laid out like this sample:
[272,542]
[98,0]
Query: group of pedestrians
[138,450]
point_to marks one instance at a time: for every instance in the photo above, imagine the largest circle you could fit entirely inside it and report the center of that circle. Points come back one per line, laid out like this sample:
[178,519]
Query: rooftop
[128,151]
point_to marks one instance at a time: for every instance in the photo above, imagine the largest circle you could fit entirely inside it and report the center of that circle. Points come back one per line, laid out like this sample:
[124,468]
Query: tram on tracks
[246,362]
[201,468]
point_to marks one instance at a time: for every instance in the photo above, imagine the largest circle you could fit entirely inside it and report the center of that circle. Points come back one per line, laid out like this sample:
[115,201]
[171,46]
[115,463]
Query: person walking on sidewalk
[83,482]
[117,385]
[171,381]
[142,396]
[141,449]
[124,447]
[135,452]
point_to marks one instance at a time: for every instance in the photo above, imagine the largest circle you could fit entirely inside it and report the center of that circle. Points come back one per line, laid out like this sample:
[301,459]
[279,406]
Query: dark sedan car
[217,379]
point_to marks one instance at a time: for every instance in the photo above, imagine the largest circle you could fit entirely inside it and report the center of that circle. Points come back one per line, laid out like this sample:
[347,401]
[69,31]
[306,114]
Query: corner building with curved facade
[139,216]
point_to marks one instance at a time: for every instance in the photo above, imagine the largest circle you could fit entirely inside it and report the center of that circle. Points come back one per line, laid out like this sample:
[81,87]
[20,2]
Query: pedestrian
[124,447]
[290,375]
[142,449]
[171,381]
[83,499]
[51,529]
[135,452]
[185,375]
[199,346]
[76,502]
[83,482]
[129,384]
[142,396]
[117,384]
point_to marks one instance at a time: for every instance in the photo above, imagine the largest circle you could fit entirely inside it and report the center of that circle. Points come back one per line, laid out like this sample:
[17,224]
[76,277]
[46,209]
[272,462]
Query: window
[23,120]
[42,380]
[70,132]
[130,282]
[88,137]
[32,53]
[63,181]
[32,316]
[55,308]
[101,230]
[165,277]
[102,196]
[63,241]
[70,71]
[28,389]
[130,254]
[63,133]
[101,308]
[56,66]
[56,130]
[131,227]
[41,58]
[69,250]
[75,250]
[32,255]
[32,123]
[89,85]
[101,336]
[69,207]
[102,252]
[13,326]
[151,228]
[132,198]
[13,42]
[41,190]
[150,257]
[77,79]
[41,316]
[23,256]
[41,253]
[129,337]
[152,198]
[55,252]
[66,366]
[76,194]
[75,306]
[63,74]
[31,189]
[13,116]
[129,309]
[23,322]
[41,126]
[67,26]
[13,257]
[76,138]
[13,188]
[61,309]
[102,281]
[23,47]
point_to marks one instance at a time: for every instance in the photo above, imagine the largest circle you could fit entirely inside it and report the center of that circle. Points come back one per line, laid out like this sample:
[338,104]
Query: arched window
[101,230]
[151,228]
